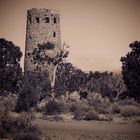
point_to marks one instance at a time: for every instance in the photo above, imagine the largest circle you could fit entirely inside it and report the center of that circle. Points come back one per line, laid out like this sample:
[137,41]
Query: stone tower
[43,25]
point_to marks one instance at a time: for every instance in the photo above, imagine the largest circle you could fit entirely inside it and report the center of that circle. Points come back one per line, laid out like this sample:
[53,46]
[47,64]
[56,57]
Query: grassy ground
[81,130]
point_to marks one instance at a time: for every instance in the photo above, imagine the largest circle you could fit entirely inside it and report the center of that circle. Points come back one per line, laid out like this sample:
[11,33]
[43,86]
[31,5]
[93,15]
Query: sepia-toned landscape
[84,88]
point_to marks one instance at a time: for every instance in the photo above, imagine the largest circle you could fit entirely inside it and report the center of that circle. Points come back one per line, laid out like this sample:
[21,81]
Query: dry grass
[81,130]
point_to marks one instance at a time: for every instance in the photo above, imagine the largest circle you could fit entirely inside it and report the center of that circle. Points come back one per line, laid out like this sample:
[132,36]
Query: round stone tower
[43,25]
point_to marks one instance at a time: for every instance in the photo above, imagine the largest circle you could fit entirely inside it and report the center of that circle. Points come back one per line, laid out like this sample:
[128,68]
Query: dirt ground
[92,130]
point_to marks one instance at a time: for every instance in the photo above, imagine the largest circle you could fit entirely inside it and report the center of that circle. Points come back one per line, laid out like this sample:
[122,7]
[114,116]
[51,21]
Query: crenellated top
[43,16]
[43,10]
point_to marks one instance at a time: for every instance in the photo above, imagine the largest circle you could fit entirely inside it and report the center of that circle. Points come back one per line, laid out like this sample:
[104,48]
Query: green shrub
[79,110]
[91,115]
[115,108]
[6,122]
[35,87]
[8,102]
[57,107]
[98,102]
[23,123]
[82,111]
[81,106]
[123,106]
[79,115]
[129,111]
[10,124]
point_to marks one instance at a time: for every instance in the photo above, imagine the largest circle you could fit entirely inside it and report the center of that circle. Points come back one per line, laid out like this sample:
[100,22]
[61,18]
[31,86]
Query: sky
[97,31]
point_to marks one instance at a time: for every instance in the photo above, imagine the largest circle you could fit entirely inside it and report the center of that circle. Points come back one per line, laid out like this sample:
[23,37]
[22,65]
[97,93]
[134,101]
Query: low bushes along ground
[11,125]
[129,111]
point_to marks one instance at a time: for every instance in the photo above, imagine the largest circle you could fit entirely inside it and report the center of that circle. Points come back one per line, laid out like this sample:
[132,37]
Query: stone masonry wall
[43,25]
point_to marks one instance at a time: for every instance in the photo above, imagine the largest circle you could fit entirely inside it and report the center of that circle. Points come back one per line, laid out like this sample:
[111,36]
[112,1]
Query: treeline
[70,79]
[34,86]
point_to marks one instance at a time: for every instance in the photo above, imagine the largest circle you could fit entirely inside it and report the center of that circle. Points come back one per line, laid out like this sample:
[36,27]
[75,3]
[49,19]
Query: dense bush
[79,115]
[56,107]
[115,108]
[83,111]
[129,111]
[6,122]
[80,105]
[35,87]
[8,103]
[79,109]
[91,115]
[12,123]
[124,106]
[98,102]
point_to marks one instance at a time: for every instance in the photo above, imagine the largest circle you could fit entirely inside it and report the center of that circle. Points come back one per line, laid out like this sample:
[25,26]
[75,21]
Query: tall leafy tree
[131,70]
[69,79]
[10,70]
[41,58]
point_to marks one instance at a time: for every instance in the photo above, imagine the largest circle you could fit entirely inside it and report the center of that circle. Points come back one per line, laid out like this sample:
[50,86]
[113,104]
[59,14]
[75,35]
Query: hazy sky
[98,31]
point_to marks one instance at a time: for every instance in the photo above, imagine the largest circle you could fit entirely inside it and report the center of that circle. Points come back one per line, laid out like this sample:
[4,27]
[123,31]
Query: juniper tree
[131,70]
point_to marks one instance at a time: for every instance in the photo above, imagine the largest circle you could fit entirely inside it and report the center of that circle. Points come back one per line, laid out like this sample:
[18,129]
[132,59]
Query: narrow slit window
[55,21]
[30,20]
[47,20]
[54,34]
[30,37]
[37,19]
[28,54]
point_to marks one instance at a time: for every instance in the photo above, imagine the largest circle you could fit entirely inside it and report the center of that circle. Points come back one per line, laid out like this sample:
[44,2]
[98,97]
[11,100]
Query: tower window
[54,34]
[30,37]
[37,19]
[55,21]
[47,20]
[30,20]
[28,54]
